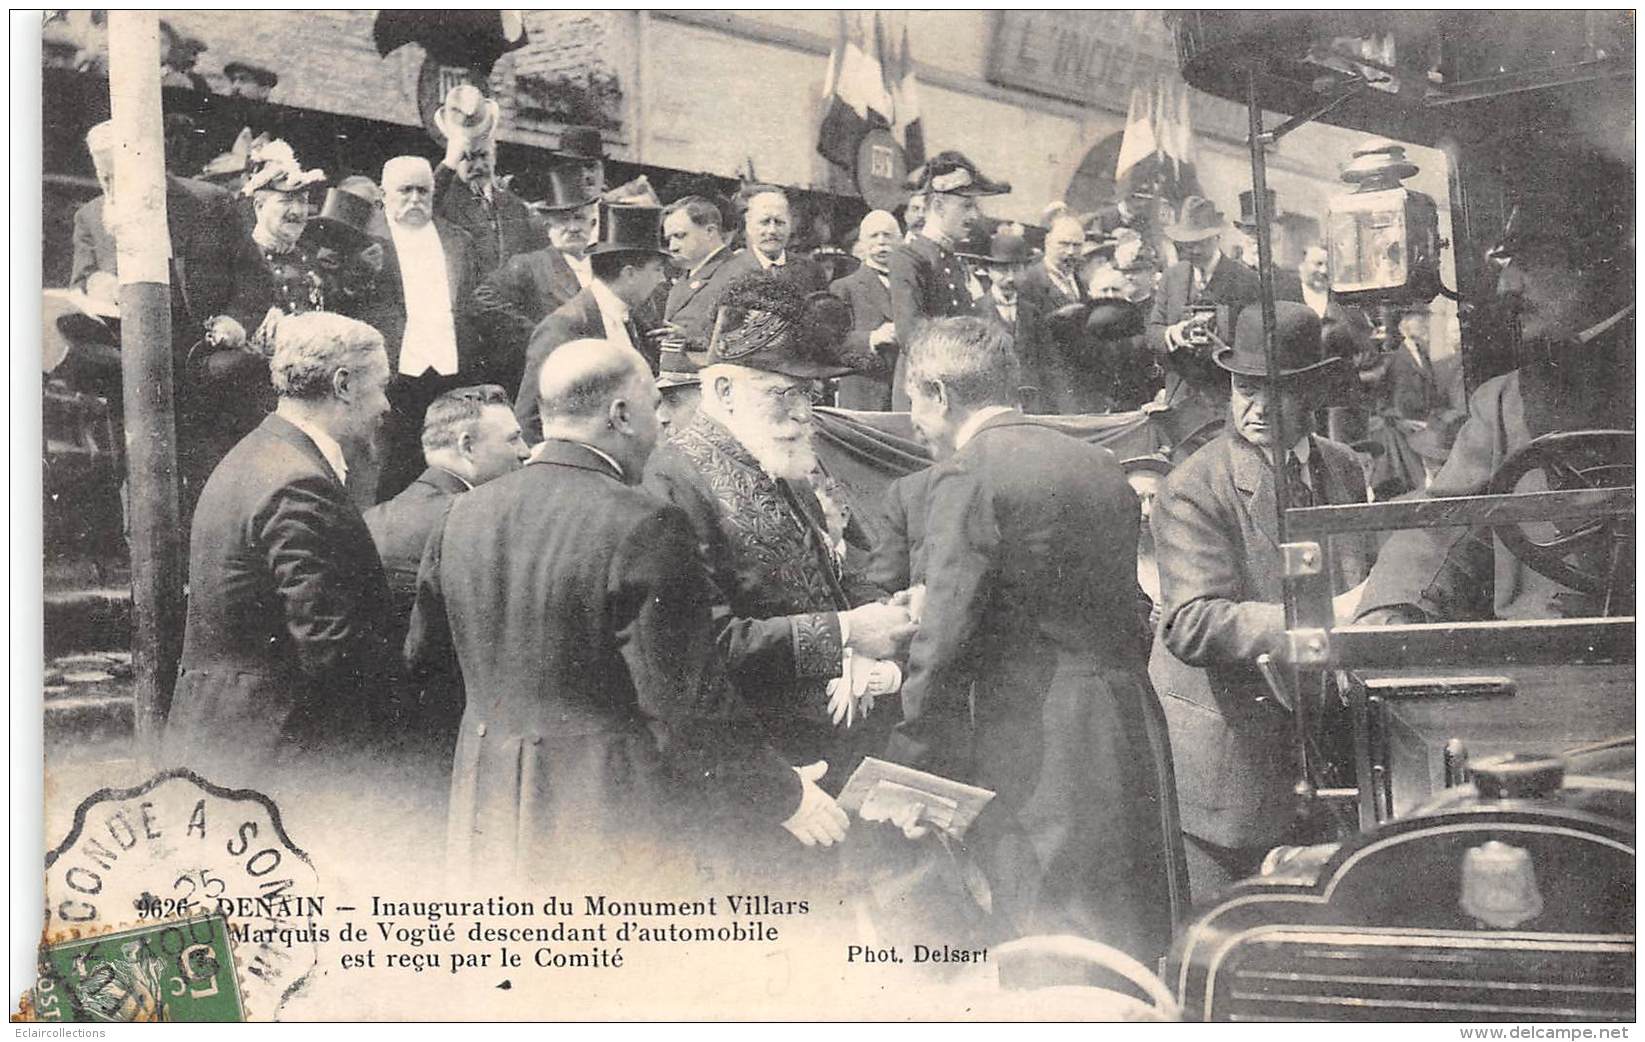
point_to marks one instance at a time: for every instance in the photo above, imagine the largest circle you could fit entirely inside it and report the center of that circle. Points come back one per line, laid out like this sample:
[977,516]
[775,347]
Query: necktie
[1301,495]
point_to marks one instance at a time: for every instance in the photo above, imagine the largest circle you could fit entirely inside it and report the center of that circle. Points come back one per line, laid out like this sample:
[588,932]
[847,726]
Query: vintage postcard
[821,515]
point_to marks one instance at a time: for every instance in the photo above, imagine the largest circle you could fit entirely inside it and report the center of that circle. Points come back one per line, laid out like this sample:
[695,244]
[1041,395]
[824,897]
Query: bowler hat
[255,73]
[342,222]
[1200,219]
[629,229]
[675,368]
[764,322]
[558,188]
[951,173]
[1297,344]
[467,112]
[1248,206]
[581,143]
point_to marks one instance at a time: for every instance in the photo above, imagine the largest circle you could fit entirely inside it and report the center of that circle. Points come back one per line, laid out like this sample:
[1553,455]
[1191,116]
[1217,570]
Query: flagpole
[143,247]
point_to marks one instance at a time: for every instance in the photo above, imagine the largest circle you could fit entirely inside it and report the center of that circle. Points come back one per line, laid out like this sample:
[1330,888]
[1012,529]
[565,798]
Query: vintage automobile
[1483,861]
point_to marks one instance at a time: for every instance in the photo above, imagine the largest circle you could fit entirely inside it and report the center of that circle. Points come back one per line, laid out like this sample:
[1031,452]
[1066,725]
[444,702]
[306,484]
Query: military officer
[928,279]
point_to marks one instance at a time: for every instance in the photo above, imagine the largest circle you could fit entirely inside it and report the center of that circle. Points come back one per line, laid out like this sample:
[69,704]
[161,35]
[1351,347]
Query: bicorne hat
[1297,344]
[766,322]
[951,173]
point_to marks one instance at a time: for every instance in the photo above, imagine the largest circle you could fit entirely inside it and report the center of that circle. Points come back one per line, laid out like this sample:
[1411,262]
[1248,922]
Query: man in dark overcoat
[1216,541]
[467,192]
[284,659]
[598,746]
[1028,675]
[873,335]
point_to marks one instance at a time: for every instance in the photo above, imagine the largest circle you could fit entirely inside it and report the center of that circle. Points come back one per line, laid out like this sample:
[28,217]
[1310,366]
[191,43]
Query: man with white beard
[790,618]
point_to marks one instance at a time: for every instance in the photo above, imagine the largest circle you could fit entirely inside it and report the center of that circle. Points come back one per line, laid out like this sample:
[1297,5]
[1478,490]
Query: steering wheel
[1584,558]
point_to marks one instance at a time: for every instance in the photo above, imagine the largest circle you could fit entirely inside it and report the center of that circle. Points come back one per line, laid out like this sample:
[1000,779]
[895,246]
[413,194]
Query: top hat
[467,112]
[768,324]
[675,369]
[255,73]
[581,143]
[1200,219]
[1248,207]
[951,173]
[1297,344]
[559,188]
[629,229]
[341,223]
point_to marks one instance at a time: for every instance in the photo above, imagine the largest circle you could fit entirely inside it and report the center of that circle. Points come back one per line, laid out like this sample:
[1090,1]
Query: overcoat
[1217,546]
[510,302]
[869,295]
[595,732]
[500,228]
[1028,677]
[284,650]
[690,305]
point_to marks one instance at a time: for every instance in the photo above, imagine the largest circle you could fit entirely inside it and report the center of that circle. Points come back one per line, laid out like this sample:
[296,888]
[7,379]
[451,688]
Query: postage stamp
[178,971]
[176,850]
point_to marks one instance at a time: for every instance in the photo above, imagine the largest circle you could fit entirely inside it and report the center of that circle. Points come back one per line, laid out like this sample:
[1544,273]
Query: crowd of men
[508,492]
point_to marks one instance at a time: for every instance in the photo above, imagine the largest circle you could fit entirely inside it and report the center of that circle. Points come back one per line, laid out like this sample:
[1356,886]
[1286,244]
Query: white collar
[1211,269]
[766,262]
[974,422]
[327,445]
[608,301]
[396,230]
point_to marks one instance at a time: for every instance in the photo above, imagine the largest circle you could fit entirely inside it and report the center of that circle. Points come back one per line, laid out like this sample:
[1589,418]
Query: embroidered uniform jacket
[778,590]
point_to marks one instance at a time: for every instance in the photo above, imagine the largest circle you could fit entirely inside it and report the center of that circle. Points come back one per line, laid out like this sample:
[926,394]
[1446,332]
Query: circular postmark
[176,854]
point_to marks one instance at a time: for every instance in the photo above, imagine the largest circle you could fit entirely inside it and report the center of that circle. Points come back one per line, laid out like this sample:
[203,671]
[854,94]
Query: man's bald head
[878,236]
[601,394]
[580,379]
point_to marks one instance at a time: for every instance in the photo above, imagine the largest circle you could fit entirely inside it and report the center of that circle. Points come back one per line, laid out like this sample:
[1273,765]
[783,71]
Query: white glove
[819,819]
[861,680]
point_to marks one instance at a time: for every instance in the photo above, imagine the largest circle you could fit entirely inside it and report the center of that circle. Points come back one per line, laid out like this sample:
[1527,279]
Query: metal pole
[143,246]
[1303,710]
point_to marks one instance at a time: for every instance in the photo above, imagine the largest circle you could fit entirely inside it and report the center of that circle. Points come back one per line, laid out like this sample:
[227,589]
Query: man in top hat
[1215,537]
[693,229]
[467,193]
[582,149]
[1242,244]
[627,264]
[789,610]
[1132,208]
[681,387]
[1055,281]
[423,307]
[1028,676]
[873,335]
[528,286]
[252,82]
[928,279]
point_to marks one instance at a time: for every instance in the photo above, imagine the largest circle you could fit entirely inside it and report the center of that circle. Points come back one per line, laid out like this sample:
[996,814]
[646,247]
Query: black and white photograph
[612,515]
